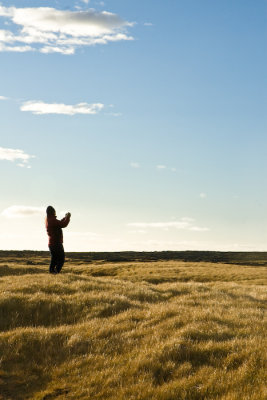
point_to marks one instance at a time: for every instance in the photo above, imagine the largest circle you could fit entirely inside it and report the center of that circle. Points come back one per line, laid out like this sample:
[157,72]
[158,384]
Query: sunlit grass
[165,330]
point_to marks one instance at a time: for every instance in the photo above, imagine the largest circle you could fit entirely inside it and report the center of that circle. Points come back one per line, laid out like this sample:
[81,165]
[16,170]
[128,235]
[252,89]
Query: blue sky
[144,119]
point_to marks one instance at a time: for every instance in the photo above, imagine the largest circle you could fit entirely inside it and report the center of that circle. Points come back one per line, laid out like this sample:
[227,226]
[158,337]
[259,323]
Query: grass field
[159,329]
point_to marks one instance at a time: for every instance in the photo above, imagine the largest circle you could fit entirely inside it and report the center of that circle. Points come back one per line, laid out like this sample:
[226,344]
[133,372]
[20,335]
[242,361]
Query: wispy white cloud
[203,195]
[135,165]
[51,30]
[14,155]
[58,49]
[148,24]
[40,108]
[21,165]
[22,211]
[16,49]
[183,224]
[162,167]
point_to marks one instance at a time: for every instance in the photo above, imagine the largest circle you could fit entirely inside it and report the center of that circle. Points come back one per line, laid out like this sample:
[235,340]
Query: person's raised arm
[63,222]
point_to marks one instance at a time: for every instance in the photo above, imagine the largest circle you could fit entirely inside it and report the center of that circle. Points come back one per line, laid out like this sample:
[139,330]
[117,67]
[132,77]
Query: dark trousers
[57,257]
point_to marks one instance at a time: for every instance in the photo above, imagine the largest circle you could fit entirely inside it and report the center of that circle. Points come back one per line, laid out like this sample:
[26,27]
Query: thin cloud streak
[50,30]
[162,167]
[183,224]
[17,49]
[41,108]
[18,211]
[14,155]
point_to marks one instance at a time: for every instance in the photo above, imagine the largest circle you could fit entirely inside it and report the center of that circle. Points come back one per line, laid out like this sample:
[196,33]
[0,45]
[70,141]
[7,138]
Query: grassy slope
[163,330]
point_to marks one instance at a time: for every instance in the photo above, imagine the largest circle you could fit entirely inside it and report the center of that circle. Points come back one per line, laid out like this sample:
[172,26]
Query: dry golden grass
[165,330]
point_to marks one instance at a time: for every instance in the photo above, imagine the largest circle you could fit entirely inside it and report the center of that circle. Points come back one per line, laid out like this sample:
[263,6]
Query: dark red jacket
[54,231]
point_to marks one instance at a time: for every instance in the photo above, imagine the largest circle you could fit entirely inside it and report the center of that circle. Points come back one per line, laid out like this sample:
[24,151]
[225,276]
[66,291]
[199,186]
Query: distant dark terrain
[242,258]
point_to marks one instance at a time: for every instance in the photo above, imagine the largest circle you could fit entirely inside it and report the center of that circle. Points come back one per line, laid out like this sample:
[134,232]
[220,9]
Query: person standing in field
[54,230]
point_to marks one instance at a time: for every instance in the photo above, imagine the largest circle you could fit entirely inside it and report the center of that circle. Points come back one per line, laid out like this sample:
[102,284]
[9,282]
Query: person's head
[50,211]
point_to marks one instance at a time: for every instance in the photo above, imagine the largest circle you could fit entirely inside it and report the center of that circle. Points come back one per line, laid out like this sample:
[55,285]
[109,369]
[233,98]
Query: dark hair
[50,211]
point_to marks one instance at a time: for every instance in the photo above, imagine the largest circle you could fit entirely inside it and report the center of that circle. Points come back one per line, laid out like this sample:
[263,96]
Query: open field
[136,326]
